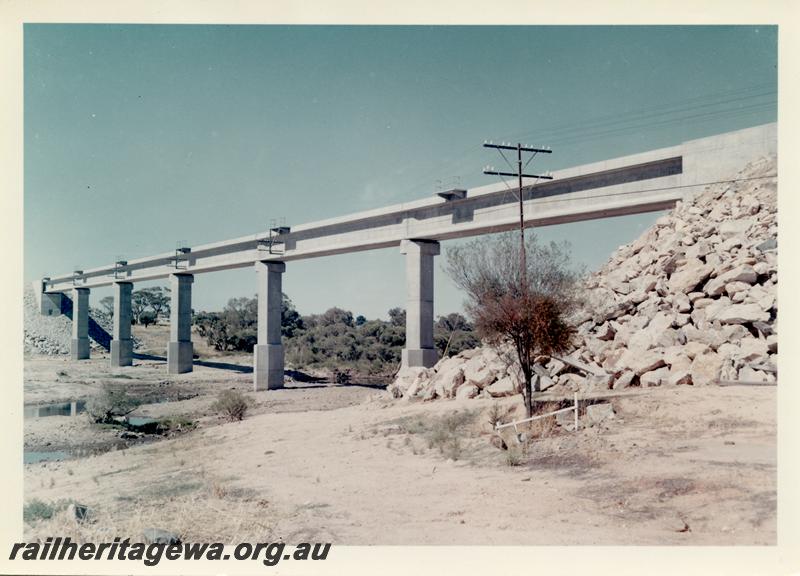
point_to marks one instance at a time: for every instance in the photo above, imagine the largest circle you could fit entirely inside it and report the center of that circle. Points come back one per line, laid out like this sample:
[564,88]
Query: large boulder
[597,413]
[467,391]
[640,362]
[737,227]
[738,314]
[706,368]
[689,276]
[681,375]
[478,373]
[742,273]
[624,380]
[654,377]
[405,379]
[447,381]
[506,386]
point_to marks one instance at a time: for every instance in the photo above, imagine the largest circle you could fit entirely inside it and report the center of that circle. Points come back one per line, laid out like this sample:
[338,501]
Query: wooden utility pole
[519,174]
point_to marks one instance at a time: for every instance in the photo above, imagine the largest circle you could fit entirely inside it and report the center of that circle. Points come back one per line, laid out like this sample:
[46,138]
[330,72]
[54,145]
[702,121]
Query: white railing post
[576,411]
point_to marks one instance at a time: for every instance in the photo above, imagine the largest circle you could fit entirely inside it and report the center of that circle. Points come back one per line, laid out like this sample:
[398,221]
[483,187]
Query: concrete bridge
[645,182]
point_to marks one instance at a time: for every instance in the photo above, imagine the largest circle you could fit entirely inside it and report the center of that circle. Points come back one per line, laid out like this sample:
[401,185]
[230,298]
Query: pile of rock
[44,334]
[691,301]
[53,334]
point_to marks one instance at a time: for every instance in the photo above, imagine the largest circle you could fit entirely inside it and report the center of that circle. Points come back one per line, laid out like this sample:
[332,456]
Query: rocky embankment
[692,301]
[53,334]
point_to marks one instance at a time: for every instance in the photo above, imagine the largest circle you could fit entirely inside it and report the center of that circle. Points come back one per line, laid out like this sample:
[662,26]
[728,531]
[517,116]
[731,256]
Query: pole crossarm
[512,147]
[538,176]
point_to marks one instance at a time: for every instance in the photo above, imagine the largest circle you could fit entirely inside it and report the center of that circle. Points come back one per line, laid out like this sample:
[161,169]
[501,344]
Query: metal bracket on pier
[274,243]
[181,255]
[120,269]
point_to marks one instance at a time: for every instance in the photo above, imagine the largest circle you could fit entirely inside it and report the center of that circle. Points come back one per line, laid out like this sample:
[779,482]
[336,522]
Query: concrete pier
[80,323]
[180,350]
[121,343]
[268,352]
[419,350]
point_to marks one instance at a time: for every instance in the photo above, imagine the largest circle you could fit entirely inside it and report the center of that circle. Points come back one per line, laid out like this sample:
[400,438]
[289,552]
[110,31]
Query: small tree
[397,317]
[111,403]
[524,310]
[138,304]
[146,318]
[158,299]
[291,321]
[108,305]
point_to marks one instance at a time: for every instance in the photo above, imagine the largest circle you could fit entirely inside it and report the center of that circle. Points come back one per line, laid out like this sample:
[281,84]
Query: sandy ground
[346,464]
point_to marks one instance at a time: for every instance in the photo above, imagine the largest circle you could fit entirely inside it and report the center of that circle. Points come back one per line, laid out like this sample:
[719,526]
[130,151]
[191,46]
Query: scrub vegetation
[335,339]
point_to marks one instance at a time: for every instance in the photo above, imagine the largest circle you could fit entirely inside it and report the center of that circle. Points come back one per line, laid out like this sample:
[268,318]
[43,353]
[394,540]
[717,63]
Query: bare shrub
[496,415]
[443,433]
[232,404]
[518,303]
[113,402]
[499,415]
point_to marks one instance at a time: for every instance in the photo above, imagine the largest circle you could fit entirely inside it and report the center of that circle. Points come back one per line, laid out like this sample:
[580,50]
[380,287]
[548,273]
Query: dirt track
[676,466]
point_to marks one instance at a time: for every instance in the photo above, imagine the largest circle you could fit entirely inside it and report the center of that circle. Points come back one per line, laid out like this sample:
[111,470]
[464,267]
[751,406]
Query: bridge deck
[644,182]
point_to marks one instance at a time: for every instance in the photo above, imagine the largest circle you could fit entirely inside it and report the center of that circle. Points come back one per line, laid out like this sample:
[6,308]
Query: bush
[341,376]
[231,404]
[333,339]
[39,510]
[235,328]
[147,318]
[443,432]
[113,402]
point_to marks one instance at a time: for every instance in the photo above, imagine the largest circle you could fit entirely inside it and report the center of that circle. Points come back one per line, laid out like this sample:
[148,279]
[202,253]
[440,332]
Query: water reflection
[34,457]
[59,409]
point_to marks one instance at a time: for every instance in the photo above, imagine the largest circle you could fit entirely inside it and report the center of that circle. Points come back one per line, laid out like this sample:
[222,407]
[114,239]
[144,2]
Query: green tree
[397,317]
[334,316]
[453,333]
[291,321]
[108,305]
[158,300]
[236,326]
[146,318]
[138,305]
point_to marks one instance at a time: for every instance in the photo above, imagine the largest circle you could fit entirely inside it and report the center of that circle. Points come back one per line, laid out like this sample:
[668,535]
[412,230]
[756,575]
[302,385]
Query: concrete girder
[645,182]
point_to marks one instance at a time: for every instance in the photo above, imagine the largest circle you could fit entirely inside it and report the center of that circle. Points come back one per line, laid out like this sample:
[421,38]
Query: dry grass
[203,511]
[728,424]
[232,404]
[448,434]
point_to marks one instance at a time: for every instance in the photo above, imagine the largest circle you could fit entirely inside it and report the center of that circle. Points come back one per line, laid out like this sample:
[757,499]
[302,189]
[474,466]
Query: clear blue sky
[137,137]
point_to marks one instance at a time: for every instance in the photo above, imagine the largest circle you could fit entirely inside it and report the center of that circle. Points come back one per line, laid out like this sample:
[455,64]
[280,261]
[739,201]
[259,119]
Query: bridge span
[645,182]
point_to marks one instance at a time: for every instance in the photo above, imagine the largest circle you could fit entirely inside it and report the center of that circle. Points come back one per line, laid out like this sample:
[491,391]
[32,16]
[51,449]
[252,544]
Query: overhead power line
[520,175]
[620,124]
